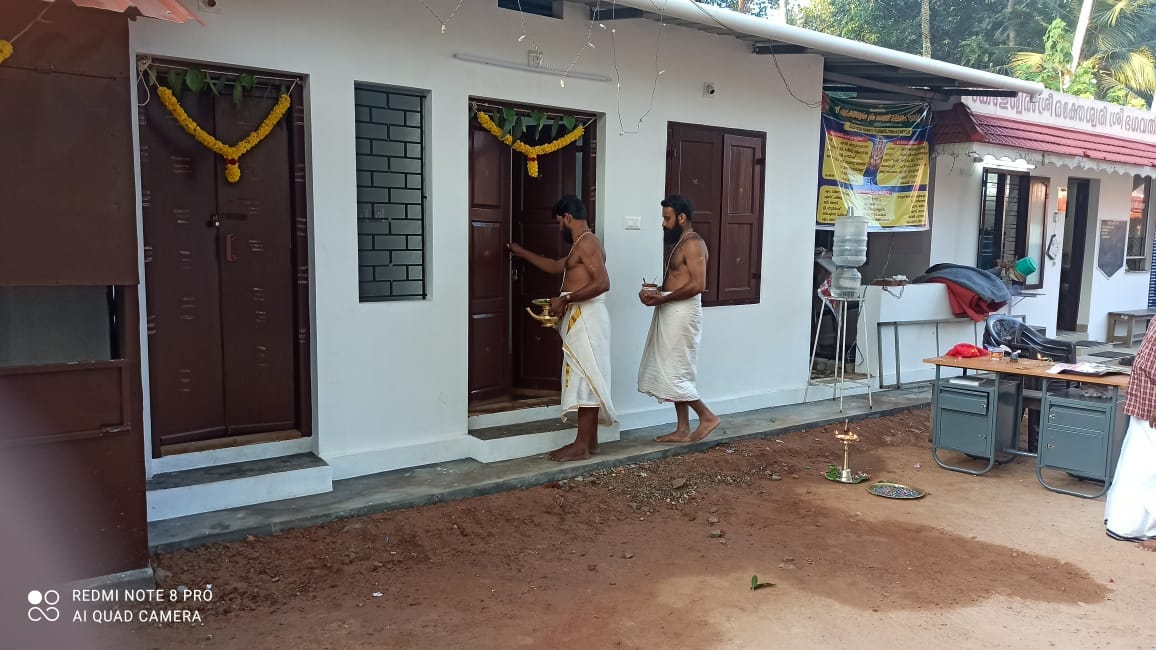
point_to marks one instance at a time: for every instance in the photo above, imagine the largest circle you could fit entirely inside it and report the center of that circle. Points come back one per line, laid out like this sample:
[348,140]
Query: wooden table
[1129,318]
[1078,435]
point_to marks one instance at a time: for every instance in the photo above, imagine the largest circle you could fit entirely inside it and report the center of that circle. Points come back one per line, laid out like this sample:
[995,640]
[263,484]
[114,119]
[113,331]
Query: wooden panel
[98,395]
[537,352]
[178,181]
[489,302]
[67,213]
[301,265]
[740,248]
[696,158]
[254,243]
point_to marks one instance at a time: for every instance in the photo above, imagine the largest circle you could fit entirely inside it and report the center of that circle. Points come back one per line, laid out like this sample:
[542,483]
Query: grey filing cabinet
[1080,435]
[980,420]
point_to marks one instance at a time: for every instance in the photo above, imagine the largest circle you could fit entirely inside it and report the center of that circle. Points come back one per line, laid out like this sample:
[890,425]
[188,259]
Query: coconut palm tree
[1118,49]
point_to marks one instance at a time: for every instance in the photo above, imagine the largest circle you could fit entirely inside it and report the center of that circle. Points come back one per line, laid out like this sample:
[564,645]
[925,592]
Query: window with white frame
[1137,258]
[1012,221]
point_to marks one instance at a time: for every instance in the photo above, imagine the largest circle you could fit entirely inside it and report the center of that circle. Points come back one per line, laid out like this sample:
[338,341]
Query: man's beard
[671,235]
[567,236]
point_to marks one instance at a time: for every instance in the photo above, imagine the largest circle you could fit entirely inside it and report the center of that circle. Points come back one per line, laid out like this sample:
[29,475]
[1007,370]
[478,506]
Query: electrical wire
[774,58]
[658,71]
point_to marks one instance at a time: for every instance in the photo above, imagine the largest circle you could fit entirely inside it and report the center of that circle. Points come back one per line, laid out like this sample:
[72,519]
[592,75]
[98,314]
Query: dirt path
[662,555]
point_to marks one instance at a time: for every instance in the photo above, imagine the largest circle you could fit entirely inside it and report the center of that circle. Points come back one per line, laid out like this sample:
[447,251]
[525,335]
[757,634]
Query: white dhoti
[585,331]
[1131,506]
[670,359]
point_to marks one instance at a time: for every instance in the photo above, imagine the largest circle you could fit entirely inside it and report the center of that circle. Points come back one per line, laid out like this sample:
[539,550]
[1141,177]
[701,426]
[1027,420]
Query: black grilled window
[1003,222]
[391,224]
[548,8]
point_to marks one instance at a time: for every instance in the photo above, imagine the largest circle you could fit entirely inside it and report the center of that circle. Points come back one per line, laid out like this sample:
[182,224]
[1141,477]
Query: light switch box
[634,223]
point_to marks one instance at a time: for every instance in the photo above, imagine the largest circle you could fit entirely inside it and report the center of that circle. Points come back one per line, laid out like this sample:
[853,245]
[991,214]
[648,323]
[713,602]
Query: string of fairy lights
[600,7]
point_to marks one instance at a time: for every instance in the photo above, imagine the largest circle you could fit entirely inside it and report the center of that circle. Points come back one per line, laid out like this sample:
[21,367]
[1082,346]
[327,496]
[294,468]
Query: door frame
[300,228]
[1079,243]
[590,199]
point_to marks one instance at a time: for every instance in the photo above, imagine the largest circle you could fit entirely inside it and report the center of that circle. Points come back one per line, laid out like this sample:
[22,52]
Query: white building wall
[390,378]
[955,236]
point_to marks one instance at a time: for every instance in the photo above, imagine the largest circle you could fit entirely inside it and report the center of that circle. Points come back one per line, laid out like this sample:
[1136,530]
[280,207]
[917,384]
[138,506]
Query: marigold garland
[531,153]
[231,154]
[5,50]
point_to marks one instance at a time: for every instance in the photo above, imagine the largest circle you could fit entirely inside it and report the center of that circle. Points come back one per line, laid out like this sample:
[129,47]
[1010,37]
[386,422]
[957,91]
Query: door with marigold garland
[527,369]
[226,277]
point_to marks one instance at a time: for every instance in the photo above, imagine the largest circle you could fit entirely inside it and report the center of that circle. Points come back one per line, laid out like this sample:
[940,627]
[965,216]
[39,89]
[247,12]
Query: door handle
[229,257]
[214,221]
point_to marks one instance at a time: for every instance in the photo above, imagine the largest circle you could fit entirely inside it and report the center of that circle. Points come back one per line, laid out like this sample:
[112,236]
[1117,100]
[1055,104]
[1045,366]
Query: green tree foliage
[1052,67]
[997,35]
[753,7]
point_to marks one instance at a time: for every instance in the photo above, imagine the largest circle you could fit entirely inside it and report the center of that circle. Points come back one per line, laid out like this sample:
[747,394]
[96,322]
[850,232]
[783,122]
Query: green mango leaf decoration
[195,80]
[176,80]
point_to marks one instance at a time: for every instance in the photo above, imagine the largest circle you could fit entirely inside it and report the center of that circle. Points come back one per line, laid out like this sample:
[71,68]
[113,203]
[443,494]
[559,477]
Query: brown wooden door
[537,352]
[254,254]
[742,204]
[220,275]
[694,171]
[489,267]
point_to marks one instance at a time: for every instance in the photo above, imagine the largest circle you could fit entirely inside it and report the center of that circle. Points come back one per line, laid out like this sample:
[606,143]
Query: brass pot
[544,316]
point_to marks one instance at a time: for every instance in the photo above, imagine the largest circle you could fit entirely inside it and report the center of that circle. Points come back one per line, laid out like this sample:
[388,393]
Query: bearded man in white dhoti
[584,324]
[669,365]
[1130,513]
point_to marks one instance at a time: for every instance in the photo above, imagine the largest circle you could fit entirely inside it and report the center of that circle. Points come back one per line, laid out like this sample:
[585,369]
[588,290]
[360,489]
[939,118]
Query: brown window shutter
[67,209]
[740,245]
[694,170]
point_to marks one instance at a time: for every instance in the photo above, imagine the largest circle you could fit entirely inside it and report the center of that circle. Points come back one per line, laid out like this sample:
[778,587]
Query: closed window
[1137,258]
[721,172]
[391,201]
[548,8]
[1012,221]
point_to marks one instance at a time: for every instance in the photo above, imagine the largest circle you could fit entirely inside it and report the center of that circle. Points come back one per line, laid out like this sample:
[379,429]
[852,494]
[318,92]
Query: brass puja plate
[895,491]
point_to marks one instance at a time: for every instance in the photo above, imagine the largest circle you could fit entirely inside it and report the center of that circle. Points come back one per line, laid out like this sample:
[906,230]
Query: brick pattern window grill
[391,225]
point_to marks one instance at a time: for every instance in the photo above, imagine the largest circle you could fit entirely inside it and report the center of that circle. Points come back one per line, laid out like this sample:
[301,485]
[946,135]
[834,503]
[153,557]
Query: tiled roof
[961,125]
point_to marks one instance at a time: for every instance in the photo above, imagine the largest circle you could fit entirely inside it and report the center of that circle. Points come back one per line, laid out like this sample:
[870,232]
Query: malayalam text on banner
[875,158]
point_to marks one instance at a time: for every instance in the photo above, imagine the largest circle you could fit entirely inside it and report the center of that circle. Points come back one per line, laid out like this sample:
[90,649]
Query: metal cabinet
[1080,435]
[977,417]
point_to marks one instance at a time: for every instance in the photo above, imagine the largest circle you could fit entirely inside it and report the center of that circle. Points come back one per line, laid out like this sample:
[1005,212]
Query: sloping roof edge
[170,10]
[738,23]
[960,125]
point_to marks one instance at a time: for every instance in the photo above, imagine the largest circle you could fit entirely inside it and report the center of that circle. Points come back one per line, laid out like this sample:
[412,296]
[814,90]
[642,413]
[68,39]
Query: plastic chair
[1018,337]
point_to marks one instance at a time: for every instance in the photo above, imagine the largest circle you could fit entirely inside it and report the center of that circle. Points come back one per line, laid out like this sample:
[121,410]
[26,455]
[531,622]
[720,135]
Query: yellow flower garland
[231,154]
[5,50]
[531,153]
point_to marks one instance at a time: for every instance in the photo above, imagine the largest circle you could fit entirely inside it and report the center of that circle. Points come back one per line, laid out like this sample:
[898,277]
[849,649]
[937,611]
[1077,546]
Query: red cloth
[966,351]
[964,302]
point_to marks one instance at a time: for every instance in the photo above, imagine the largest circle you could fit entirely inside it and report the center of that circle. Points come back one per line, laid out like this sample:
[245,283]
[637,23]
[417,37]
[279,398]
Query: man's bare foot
[679,435]
[1148,545]
[592,448]
[705,428]
[572,451]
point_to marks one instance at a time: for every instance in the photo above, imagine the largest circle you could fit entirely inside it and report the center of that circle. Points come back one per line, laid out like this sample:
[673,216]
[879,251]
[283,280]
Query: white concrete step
[207,489]
[494,444]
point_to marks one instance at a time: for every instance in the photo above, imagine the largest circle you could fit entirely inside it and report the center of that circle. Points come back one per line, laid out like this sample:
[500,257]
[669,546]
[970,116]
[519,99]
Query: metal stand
[838,307]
